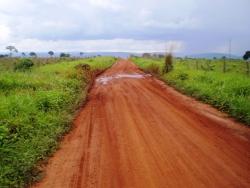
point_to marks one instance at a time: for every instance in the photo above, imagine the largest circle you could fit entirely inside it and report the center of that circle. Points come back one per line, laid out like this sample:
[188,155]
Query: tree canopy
[51,53]
[32,54]
[12,49]
[64,55]
[246,56]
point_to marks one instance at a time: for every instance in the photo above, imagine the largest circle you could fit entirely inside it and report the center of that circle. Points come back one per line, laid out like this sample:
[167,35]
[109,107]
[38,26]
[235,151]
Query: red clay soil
[137,132]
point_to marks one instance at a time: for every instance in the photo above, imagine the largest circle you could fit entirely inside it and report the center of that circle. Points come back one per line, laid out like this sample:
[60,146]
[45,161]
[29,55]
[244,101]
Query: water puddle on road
[105,79]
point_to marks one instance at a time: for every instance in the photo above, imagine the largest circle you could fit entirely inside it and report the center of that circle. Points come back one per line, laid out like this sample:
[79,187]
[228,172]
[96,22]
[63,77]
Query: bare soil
[137,132]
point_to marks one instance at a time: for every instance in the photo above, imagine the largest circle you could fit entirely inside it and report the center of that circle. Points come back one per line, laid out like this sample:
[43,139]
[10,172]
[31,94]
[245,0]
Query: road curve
[137,132]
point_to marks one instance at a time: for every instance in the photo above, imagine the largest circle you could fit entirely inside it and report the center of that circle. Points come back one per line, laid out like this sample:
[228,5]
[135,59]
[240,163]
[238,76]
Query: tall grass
[229,91]
[36,108]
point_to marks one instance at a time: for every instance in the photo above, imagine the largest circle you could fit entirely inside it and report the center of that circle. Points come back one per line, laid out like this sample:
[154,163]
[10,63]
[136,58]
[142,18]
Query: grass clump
[36,109]
[24,64]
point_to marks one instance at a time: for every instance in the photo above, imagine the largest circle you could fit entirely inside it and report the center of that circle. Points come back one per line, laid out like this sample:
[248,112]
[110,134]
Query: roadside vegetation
[38,100]
[223,83]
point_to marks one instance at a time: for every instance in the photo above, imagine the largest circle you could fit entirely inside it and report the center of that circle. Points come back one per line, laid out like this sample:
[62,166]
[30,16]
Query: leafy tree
[51,53]
[81,54]
[23,54]
[64,55]
[33,54]
[11,49]
[246,56]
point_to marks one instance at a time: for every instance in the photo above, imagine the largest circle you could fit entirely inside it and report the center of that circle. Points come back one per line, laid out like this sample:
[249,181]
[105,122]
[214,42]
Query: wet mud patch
[103,80]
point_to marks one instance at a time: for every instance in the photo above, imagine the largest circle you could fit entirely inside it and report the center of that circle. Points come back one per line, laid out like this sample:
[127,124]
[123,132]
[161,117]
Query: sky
[180,26]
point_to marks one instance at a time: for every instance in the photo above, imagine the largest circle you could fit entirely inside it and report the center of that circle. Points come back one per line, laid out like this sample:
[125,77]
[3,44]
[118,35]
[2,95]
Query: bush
[168,63]
[153,69]
[84,67]
[182,76]
[24,64]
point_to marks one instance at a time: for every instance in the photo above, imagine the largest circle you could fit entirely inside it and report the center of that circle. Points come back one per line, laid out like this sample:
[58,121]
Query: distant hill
[212,55]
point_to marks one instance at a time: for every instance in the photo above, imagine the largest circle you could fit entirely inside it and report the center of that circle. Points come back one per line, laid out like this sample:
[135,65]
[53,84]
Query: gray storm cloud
[194,25]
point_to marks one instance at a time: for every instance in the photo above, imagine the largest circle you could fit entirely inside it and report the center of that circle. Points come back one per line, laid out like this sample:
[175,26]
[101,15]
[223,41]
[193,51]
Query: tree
[23,54]
[246,56]
[64,55]
[81,54]
[11,49]
[33,54]
[146,55]
[3,55]
[51,53]
[224,63]
[161,56]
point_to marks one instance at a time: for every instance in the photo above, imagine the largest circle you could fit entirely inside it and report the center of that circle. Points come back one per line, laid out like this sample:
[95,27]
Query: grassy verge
[36,108]
[229,92]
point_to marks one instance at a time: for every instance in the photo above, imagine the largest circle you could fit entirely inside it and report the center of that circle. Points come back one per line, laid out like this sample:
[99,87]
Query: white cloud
[201,24]
[4,33]
[106,4]
[112,45]
[175,24]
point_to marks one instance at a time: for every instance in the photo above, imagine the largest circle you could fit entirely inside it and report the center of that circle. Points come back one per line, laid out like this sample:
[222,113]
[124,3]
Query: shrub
[182,76]
[84,67]
[168,63]
[153,69]
[24,64]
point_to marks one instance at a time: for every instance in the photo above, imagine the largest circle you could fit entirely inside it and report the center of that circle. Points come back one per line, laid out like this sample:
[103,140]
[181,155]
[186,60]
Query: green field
[206,81]
[36,109]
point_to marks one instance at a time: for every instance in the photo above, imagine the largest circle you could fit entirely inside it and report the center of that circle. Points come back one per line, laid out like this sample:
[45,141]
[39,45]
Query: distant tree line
[13,49]
[64,55]
[152,55]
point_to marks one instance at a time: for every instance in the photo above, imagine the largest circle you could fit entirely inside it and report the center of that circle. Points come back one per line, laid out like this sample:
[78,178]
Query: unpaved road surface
[136,132]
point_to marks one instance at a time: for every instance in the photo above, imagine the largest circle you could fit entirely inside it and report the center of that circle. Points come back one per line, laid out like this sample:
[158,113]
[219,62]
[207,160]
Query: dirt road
[136,132]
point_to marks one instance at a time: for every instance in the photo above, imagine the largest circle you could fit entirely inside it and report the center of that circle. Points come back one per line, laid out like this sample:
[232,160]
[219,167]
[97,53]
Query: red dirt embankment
[136,132]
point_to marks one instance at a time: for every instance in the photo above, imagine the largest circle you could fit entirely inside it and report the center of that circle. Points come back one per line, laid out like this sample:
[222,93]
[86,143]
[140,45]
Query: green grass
[229,92]
[36,109]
